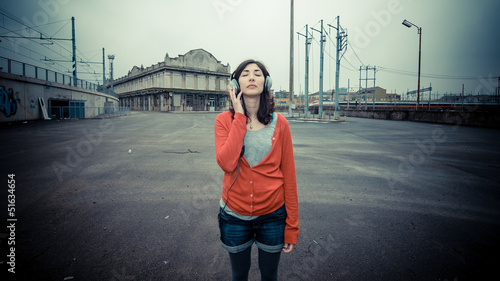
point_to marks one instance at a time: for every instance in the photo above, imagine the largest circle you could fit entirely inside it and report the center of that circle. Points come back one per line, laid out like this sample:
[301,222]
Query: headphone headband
[267,84]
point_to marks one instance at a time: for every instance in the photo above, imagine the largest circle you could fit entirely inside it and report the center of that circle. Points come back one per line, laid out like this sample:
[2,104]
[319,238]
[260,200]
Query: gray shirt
[258,143]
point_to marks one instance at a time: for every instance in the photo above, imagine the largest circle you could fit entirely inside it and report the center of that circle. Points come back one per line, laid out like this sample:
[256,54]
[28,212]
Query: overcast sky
[460,38]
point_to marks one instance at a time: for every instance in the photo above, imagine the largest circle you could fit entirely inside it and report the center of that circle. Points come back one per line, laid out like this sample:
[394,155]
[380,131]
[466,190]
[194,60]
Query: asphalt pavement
[136,198]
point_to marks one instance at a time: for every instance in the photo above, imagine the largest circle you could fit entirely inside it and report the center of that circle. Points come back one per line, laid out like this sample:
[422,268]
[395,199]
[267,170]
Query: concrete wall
[25,91]
[470,117]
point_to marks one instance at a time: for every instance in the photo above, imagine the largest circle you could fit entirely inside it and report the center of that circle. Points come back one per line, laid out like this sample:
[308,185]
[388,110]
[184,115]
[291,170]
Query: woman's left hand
[287,248]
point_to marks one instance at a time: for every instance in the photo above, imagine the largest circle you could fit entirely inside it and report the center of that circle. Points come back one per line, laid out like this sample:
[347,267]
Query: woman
[259,196]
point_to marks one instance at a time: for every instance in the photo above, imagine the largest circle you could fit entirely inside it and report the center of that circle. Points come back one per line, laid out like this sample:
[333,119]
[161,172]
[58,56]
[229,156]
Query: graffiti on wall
[8,104]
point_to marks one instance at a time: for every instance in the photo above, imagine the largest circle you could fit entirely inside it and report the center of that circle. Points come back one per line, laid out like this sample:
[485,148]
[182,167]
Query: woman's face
[252,80]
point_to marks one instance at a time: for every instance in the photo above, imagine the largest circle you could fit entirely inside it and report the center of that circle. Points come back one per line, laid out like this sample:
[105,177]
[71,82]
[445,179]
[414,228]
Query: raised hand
[236,100]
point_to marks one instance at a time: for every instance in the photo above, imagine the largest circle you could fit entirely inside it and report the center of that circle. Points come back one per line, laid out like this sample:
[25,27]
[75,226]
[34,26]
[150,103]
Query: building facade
[370,94]
[195,81]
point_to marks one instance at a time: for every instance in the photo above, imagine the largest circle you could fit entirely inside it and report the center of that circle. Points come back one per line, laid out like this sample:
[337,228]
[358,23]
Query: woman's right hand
[236,100]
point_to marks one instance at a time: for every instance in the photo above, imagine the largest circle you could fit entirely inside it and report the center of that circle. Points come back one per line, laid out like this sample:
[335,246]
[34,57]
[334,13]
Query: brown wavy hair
[266,105]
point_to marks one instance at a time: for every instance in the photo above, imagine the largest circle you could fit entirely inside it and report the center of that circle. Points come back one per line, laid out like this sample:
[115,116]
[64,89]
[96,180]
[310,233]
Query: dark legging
[268,264]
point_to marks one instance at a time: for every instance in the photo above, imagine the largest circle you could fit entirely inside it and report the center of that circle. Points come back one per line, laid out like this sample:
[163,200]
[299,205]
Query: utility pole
[321,41]
[463,96]
[359,91]
[340,45]
[103,72]
[366,83]
[320,113]
[348,92]
[74,51]
[419,60]
[111,58]
[290,102]
[306,85]
[366,89]
[374,71]
[430,95]
[337,71]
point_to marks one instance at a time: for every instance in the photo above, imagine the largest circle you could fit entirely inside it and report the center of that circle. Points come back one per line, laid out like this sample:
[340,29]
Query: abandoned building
[196,81]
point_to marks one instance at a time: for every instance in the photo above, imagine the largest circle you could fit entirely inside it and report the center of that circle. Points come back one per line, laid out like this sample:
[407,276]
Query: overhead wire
[354,68]
[426,75]
[350,45]
[62,46]
[379,68]
[60,28]
[46,63]
[31,51]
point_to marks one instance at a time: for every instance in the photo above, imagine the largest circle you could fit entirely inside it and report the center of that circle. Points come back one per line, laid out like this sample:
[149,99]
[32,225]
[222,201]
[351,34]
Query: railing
[20,68]
[82,112]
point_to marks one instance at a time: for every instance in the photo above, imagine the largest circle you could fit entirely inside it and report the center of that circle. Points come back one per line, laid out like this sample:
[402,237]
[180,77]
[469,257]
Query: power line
[30,39]
[47,38]
[50,23]
[348,43]
[31,51]
[61,28]
[353,68]
[426,75]
[18,20]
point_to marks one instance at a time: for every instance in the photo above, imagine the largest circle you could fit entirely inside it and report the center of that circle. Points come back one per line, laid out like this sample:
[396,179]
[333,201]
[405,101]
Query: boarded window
[177,99]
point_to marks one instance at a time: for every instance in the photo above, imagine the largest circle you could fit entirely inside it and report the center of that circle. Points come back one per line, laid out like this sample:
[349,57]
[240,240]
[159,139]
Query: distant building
[469,98]
[393,97]
[377,93]
[283,97]
[196,81]
[329,95]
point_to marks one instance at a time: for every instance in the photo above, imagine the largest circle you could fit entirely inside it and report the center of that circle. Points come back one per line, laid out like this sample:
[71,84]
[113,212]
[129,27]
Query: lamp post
[111,58]
[409,24]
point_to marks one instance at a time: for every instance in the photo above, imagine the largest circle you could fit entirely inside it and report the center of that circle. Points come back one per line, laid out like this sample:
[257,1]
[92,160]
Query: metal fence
[20,68]
[79,112]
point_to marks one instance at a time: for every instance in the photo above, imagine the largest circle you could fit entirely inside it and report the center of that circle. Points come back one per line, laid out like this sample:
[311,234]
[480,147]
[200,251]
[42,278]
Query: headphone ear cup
[268,84]
[234,83]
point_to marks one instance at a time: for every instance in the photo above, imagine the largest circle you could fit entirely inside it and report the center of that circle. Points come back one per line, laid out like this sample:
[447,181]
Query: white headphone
[267,84]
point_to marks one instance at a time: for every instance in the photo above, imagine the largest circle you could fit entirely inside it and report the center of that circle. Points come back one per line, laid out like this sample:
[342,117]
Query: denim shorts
[267,231]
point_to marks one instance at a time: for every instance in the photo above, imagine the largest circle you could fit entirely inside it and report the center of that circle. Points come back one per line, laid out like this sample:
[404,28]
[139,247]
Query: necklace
[251,126]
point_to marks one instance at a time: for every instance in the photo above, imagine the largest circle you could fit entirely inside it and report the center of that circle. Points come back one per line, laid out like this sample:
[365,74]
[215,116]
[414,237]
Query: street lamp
[111,58]
[409,24]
